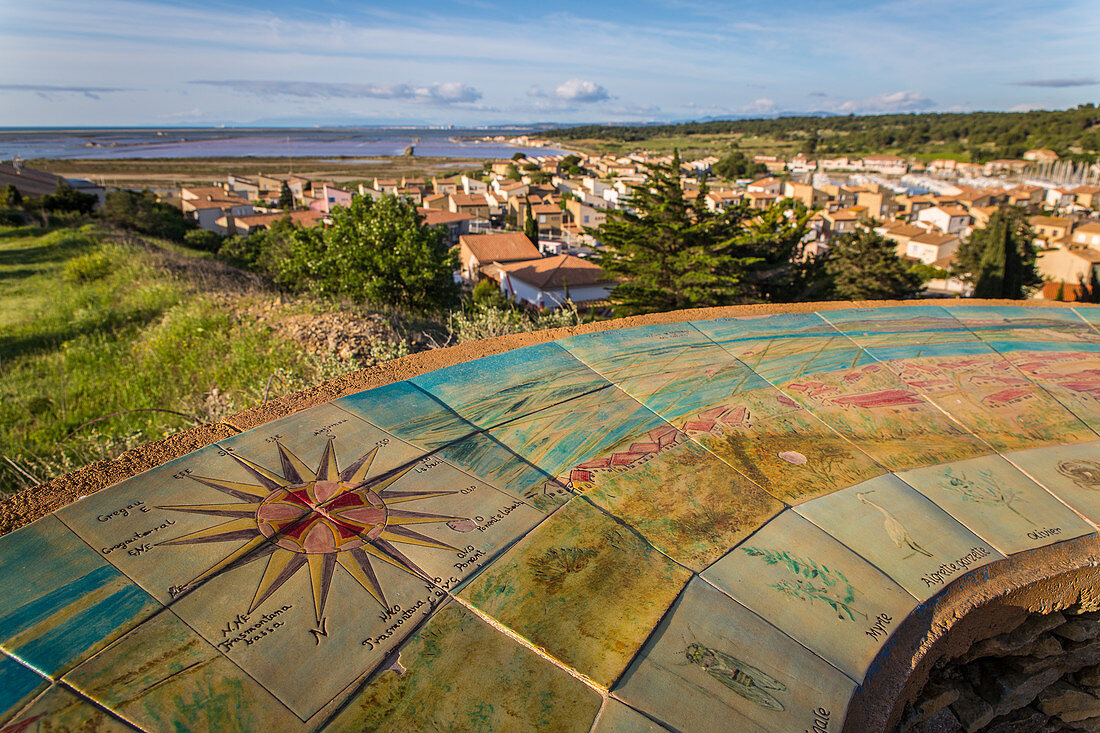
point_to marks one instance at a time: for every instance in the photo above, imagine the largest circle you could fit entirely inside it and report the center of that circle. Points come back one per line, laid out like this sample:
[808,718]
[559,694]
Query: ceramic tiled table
[712,525]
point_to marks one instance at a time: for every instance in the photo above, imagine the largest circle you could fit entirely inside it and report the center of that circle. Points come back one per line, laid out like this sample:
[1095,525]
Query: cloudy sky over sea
[142,62]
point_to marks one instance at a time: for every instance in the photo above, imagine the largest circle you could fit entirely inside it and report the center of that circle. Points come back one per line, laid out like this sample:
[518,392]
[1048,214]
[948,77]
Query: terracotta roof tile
[502,247]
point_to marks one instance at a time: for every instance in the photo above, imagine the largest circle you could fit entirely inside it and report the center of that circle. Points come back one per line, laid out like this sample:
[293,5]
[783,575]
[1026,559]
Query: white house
[931,247]
[1087,235]
[473,185]
[886,164]
[1059,198]
[205,205]
[770,186]
[950,219]
[551,281]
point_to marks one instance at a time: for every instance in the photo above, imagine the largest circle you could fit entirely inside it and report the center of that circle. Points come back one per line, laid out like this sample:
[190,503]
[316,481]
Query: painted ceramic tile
[699,388]
[816,590]
[331,613]
[180,523]
[60,711]
[1091,314]
[420,419]
[672,369]
[582,586]
[920,546]
[986,393]
[617,717]
[1070,472]
[823,371]
[409,413]
[349,580]
[998,503]
[889,420]
[508,688]
[61,600]
[444,524]
[588,428]
[19,685]
[163,676]
[788,347]
[683,500]
[794,457]
[937,356]
[1069,372]
[714,665]
[996,324]
[1052,347]
[916,326]
[489,460]
[495,389]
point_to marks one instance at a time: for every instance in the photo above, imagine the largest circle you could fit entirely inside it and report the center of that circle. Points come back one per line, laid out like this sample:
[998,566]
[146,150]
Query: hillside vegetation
[974,135]
[93,324]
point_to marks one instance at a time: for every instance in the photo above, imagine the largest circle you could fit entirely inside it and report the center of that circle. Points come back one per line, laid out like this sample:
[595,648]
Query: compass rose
[314,519]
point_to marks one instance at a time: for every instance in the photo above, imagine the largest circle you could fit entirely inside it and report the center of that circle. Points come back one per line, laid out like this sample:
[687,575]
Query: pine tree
[668,253]
[1000,260]
[863,265]
[782,273]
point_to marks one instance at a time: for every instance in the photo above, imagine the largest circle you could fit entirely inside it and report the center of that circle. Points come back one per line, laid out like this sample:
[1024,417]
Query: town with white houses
[927,209]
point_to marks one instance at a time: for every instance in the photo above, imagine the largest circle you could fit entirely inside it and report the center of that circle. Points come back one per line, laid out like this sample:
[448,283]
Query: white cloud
[580,90]
[904,101]
[439,93]
[760,106]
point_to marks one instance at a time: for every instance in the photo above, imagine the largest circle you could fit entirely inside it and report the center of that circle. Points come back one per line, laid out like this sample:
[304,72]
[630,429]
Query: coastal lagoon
[363,142]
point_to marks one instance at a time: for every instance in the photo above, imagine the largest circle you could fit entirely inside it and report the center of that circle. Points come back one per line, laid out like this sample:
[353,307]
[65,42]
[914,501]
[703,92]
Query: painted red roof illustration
[1008,395]
[882,398]
[624,459]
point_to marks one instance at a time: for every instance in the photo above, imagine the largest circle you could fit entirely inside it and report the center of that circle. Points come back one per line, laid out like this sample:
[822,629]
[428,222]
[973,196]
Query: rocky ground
[1042,677]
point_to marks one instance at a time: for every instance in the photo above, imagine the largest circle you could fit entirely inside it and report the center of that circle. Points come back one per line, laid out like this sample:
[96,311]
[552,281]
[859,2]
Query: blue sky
[144,62]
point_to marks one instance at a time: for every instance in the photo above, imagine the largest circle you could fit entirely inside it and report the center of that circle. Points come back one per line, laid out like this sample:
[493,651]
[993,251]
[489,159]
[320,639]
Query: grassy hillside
[93,323]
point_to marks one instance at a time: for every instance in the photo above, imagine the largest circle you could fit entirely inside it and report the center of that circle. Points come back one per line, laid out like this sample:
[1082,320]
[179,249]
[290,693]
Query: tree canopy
[738,165]
[669,253]
[775,239]
[140,211]
[374,251]
[983,134]
[863,265]
[65,198]
[1000,259]
[286,197]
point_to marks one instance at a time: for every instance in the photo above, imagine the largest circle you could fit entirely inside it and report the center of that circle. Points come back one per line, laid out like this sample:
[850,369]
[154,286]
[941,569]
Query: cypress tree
[286,198]
[530,227]
[1000,260]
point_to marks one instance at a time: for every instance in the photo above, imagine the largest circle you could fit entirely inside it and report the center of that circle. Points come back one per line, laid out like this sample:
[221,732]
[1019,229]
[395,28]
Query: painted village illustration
[710,525]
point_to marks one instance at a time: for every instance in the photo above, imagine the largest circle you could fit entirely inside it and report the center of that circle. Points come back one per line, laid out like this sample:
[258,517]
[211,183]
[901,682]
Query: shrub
[88,267]
[203,239]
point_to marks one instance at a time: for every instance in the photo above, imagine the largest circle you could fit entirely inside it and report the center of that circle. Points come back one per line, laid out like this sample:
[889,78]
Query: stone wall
[1041,676]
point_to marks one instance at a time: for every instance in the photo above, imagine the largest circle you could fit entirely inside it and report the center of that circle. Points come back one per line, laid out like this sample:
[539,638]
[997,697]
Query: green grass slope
[93,323]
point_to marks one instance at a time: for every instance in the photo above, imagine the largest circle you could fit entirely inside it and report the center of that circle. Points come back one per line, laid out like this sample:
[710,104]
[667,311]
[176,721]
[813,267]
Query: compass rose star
[316,519]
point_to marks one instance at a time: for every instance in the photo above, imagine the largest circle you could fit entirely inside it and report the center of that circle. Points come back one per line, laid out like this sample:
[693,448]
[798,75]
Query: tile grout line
[531,646]
[995,451]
